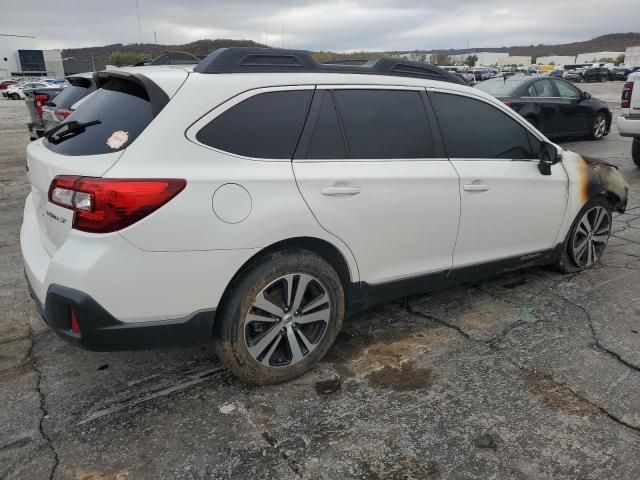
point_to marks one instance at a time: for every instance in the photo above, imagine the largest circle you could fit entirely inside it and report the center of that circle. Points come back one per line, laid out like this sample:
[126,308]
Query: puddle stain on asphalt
[479,319]
[555,395]
[388,362]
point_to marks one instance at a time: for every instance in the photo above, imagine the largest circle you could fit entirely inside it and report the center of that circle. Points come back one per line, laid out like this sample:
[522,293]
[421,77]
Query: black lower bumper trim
[100,331]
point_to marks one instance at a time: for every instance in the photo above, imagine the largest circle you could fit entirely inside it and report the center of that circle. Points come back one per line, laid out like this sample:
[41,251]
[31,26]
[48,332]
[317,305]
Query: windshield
[502,87]
[123,111]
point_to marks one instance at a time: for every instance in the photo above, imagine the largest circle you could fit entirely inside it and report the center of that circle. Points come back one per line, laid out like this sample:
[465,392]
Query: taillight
[507,103]
[41,99]
[75,326]
[626,95]
[62,113]
[104,205]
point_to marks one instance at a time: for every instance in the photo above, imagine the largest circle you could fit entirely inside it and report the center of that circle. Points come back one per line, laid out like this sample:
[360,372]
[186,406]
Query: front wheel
[280,318]
[635,151]
[599,127]
[588,237]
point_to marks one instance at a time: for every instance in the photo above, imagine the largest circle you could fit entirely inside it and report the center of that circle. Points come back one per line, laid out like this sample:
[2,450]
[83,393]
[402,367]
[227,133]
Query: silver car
[57,110]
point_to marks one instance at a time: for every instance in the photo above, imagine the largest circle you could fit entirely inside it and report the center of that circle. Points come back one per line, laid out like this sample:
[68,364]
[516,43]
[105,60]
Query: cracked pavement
[528,375]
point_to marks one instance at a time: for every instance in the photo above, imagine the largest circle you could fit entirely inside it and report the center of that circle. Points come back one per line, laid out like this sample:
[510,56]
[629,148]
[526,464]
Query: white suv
[629,119]
[257,199]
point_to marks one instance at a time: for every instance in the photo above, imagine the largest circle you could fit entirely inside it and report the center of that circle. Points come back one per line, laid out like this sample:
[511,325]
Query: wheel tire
[598,127]
[266,276]
[635,151]
[603,79]
[14,96]
[567,263]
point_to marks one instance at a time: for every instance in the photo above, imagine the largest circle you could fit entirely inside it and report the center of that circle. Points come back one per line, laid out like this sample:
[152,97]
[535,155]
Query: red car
[7,83]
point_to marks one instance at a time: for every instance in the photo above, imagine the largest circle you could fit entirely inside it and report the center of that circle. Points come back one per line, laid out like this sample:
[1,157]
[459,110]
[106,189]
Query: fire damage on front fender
[602,178]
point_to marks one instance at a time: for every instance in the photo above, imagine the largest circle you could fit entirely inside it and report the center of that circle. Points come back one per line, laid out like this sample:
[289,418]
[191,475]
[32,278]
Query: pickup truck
[629,119]
[35,101]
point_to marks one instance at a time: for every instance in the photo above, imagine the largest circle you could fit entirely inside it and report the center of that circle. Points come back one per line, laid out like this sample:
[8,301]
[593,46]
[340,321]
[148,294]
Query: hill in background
[127,54]
[613,42]
[141,51]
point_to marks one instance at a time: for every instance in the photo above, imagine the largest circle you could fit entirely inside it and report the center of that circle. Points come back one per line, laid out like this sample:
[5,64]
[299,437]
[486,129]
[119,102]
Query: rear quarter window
[267,125]
[124,111]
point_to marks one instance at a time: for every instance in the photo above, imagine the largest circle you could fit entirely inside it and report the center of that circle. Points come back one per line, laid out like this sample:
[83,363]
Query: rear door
[373,172]
[509,208]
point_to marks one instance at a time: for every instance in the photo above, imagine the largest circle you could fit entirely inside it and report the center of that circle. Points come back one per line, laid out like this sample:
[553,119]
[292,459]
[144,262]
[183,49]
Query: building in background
[596,56]
[74,65]
[20,57]
[632,57]
[517,60]
[556,60]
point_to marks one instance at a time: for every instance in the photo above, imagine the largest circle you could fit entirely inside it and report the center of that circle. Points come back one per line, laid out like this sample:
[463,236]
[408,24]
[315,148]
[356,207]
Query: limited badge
[118,139]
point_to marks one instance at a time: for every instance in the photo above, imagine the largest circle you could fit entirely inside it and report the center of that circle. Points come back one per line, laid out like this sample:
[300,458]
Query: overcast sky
[340,25]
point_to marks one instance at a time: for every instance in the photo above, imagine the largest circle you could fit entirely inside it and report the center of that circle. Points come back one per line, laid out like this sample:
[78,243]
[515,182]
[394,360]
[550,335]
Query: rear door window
[384,124]
[267,125]
[123,110]
[474,129]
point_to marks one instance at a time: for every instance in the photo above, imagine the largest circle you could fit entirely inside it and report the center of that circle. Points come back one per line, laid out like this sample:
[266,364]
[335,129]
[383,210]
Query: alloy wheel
[599,127]
[287,320]
[591,236]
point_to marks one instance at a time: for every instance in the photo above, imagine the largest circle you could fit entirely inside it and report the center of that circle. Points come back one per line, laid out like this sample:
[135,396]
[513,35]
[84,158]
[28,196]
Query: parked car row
[18,90]
[49,106]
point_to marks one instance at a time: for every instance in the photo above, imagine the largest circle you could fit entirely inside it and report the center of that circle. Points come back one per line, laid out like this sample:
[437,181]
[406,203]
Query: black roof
[276,60]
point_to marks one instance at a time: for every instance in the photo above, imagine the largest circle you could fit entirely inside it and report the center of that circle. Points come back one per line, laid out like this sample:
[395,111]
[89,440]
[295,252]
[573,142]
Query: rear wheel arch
[322,248]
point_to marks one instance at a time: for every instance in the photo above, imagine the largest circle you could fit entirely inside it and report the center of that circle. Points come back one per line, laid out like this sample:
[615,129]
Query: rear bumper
[629,126]
[125,298]
[100,331]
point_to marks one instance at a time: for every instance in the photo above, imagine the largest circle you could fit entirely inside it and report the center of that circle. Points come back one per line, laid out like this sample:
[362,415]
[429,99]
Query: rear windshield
[123,110]
[501,86]
[71,95]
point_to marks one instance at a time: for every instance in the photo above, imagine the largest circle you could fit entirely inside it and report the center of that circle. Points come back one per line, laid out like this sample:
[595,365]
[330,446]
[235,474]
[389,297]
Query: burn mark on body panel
[598,177]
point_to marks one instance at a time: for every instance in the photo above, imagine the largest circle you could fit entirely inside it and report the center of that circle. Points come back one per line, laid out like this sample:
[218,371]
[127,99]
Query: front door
[370,169]
[575,114]
[509,208]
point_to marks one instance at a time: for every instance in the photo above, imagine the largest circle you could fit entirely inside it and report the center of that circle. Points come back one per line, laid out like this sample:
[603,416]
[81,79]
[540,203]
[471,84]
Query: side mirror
[586,95]
[548,156]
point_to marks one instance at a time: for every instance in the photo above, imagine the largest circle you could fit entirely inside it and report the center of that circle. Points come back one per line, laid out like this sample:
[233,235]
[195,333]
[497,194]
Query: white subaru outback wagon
[255,200]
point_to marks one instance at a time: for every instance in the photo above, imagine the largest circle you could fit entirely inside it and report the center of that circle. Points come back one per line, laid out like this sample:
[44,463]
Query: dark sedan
[554,106]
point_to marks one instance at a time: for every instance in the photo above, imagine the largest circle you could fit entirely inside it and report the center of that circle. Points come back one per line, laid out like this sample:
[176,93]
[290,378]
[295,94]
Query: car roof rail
[277,60]
[175,58]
